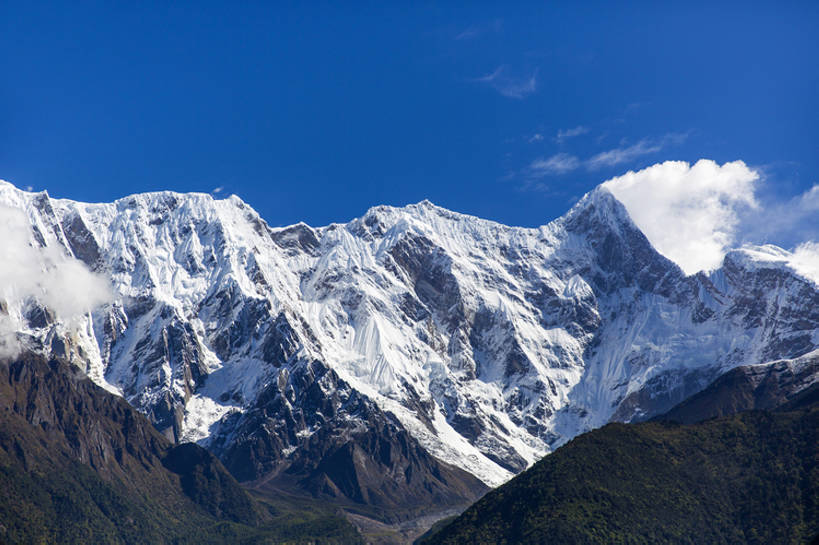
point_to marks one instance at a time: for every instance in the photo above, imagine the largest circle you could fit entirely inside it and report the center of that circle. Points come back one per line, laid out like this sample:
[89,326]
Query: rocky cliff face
[412,338]
[315,433]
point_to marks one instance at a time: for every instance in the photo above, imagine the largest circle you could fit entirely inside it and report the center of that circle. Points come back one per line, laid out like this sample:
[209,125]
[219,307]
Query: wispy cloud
[217,190]
[560,163]
[809,200]
[489,78]
[620,155]
[625,154]
[785,222]
[61,283]
[563,135]
[518,88]
[469,33]
[806,260]
[510,86]
[474,31]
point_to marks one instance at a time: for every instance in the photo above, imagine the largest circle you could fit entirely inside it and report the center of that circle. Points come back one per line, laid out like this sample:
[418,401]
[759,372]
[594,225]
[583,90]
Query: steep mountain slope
[373,462]
[747,478]
[413,338]
[751,387]
[79,465]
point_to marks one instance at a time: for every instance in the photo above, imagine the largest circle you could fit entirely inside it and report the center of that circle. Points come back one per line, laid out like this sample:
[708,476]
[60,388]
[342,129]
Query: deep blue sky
[316,113]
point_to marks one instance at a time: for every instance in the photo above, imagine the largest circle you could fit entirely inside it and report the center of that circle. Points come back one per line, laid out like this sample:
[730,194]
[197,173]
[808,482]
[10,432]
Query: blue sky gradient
[316,112]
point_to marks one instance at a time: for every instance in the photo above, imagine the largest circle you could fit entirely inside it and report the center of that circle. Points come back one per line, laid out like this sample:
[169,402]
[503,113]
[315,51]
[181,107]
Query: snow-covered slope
[490,345]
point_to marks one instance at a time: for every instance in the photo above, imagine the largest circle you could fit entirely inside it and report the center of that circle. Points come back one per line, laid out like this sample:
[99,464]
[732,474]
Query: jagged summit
[484,346]
[599,201]
[428,214]
[766,257]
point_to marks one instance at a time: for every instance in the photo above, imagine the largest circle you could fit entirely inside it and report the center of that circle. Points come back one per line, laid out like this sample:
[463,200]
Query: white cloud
[563,135]
[57,281]
[508,85]
[537,137]
[688,212]
[217,190]
[805,260]
[556,164]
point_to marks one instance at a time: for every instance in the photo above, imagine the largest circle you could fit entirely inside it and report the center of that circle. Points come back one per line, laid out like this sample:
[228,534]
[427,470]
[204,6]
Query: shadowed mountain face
[379,361]
[375,463]
[747,478]
[79,465]
[751,387]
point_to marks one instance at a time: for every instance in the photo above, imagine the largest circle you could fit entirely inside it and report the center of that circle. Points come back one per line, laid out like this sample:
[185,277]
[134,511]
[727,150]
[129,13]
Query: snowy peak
[599,207]
[754,259]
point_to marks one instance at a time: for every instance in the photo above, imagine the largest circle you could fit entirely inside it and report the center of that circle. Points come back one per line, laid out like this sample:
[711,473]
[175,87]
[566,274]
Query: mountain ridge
[765,386]
[489,345]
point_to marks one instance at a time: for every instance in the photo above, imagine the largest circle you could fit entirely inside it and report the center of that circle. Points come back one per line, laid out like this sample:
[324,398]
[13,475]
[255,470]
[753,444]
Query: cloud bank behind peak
[690,213]
[694,214]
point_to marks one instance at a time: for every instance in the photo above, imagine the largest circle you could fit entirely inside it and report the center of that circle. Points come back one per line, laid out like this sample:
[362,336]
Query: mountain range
[410,359]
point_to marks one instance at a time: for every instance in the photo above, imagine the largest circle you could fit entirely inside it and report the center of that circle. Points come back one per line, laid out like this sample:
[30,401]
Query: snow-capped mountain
[482,345]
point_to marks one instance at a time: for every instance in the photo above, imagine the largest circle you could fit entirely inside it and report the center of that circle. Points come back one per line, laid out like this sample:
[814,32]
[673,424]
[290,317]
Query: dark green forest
[748,478]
